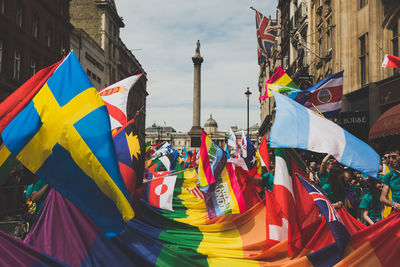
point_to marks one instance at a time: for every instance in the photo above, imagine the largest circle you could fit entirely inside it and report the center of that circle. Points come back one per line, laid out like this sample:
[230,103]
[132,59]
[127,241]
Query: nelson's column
[195,132]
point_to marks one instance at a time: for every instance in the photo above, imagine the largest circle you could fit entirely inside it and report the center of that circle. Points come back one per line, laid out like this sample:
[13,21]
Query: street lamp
[248,93]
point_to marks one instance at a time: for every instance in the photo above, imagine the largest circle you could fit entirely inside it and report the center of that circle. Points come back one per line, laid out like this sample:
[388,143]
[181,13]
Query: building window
[364,58]
[1,55]
[2,6]
[48,37]
[35,27]
[363,3]
[319,43]
[19,17]
[62,46]
[17,65]
[33,66]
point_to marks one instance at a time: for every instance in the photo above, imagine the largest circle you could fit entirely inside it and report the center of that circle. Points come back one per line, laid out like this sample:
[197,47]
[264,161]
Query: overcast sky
[163,34]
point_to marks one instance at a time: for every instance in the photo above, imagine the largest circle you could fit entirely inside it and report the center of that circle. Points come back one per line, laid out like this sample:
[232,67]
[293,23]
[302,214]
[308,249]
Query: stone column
[196,128]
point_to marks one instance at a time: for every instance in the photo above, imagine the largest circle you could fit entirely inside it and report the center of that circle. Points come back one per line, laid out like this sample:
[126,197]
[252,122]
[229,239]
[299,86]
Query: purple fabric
[69,235]
[15,253]
[62,230]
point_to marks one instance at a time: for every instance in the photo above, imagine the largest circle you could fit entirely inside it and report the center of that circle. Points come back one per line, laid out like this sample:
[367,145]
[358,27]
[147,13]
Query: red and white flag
[289,209]
[264,154]
[115,97]
[161,192]
[196,192]
[391,62]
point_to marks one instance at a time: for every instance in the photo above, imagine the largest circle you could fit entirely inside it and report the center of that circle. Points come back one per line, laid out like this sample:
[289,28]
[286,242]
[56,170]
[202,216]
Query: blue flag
[63,136]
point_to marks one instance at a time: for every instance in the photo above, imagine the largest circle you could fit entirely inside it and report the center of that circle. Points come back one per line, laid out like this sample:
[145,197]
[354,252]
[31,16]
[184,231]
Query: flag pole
[253,8]
[170,174]
[319,112]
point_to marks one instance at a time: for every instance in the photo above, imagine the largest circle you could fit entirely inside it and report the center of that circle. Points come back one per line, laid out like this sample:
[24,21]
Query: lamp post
[248,93]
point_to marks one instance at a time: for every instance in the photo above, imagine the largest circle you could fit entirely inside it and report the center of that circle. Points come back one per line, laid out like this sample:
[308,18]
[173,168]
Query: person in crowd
[385,158]
[325,168]
[370,203]
[353,192]
[37,193]
[313,173]
[392,180]
[334,187]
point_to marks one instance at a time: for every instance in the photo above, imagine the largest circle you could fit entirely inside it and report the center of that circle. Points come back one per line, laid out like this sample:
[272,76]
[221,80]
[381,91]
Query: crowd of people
[366,198]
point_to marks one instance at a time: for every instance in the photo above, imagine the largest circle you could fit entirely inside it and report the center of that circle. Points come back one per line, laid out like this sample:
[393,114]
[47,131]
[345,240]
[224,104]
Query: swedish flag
[63,136]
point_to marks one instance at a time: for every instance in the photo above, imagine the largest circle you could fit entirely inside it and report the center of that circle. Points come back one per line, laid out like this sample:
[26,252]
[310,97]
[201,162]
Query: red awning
[387,124]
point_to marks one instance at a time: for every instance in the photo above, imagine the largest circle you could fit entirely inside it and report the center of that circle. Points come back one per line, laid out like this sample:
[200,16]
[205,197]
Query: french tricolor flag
[295,126]
[326,97]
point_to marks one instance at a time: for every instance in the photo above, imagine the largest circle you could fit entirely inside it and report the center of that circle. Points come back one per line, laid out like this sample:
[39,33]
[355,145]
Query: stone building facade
[106,58]
[349,35]
[33,35]
[178,140]
[91,57]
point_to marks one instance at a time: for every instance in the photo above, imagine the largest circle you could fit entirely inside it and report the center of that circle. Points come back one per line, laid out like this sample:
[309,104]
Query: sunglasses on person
[392,156]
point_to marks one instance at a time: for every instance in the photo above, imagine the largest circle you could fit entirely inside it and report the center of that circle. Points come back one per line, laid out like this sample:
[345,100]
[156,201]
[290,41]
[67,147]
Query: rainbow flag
[211,163]
[280,81]
[225,196]
[188,237]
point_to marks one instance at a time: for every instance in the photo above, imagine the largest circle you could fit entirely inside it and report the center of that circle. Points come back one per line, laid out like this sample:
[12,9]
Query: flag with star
[63,136]
[128,151]
[251,157]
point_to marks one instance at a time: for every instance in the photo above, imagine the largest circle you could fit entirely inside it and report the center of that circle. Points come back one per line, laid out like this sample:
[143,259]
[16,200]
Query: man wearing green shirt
[392,180]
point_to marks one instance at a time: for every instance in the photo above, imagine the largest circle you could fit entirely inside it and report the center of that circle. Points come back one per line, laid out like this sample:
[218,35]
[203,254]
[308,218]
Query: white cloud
[166,33]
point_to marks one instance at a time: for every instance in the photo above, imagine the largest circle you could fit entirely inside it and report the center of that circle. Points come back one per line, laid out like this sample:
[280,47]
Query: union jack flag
[266,33]
[321,200]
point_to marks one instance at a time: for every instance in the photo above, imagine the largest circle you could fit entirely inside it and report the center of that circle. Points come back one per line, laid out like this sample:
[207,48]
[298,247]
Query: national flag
[264,153]
[63,136]
[288,213]
[298,127]
[280,78]
[228,155]
[250,156]
[196,192]
[331,255]
[266,33]
[170,160]
[232,142]
[324,97]
[164,150]
[160,192]
[184,153]
[211,162]
[116,98]
[391,62]
[194,161]
[225,196]
[243,146]
[128,151]
[21,97]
